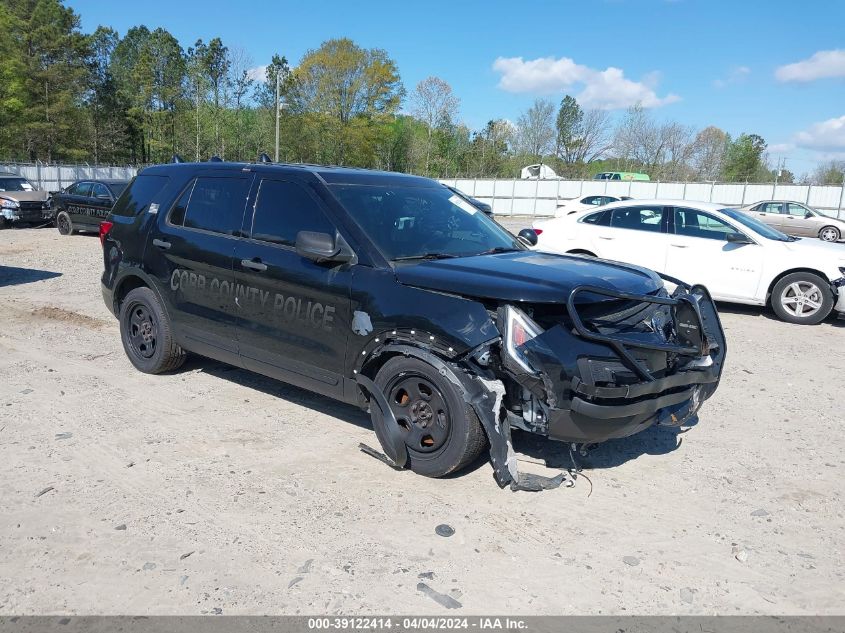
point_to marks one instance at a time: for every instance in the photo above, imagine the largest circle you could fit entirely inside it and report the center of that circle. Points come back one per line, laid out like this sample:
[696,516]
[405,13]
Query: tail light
[538,231]
[105,227]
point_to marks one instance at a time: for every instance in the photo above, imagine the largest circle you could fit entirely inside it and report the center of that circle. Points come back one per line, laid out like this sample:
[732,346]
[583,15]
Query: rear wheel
[441,431]
[146,334]
[829,234]
[802,298]
[64,224]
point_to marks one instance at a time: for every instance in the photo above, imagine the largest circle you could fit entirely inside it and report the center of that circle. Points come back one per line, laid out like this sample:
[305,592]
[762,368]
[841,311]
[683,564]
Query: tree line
[141,97]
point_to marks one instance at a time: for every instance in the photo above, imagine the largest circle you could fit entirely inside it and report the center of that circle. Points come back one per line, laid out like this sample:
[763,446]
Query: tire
[802,298]
[3,224]
[64,224]
[830,234]
[146,333]
[456,437]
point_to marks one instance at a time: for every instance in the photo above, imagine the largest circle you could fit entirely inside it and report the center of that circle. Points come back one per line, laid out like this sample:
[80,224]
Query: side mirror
[485,208]
[809,215]
[528,237]
[322,247]
[738,238]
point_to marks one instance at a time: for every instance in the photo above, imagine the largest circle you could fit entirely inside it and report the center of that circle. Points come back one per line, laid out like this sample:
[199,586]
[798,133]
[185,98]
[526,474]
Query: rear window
[138,195]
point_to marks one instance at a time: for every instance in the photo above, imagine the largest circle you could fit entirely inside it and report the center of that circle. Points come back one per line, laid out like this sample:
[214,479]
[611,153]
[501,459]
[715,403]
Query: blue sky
[744,66]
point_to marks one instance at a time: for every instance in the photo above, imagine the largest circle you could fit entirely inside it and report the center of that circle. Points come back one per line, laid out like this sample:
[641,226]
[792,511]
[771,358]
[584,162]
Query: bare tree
[581,136]
[679,146]
[241,83]
[536,129]
[708,153]
[638,141]
[435,105]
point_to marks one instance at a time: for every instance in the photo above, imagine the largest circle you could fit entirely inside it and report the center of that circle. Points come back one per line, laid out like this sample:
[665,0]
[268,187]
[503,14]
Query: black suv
[393,293]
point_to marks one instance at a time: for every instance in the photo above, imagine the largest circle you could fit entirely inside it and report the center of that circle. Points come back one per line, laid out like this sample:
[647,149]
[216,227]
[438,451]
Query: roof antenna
[176,159]
[263,158]
[215,159]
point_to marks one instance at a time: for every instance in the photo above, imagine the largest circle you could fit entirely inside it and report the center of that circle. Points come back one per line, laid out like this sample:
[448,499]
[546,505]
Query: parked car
[378,289]
[795,218]
[84,204]
[738,258]
[22,202]
[621,175]
[481,206]
[576,205]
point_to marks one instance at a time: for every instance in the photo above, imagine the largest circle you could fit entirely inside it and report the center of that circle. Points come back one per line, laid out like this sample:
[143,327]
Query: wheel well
[830,226]
[812,271]
[580,251]
[127,285]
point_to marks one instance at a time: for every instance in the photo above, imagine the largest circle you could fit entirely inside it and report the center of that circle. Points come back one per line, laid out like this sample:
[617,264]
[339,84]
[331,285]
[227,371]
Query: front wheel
[829,234]
[802,298]
[441,430]
[64,224]
[146,334]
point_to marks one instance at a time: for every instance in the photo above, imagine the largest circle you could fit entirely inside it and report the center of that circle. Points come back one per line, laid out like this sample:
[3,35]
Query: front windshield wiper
[424,256]
[498,249]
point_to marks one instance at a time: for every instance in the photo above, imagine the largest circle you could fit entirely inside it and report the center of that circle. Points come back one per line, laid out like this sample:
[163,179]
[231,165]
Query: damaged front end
[609,364]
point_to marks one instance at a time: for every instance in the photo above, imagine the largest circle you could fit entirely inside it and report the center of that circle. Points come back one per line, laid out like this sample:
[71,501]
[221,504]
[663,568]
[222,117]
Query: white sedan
[574,205]
[737,258]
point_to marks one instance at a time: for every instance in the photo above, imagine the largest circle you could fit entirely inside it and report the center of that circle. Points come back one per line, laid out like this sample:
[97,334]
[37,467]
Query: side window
[100,190]
[639,219]
[177,213]
[83,189]
[282,210]
[617,177]
[592,200]
[608,200]
[138,195]
[217,205]
[694,223]
[796,209]
[602,218]
[71,191]
[771,207]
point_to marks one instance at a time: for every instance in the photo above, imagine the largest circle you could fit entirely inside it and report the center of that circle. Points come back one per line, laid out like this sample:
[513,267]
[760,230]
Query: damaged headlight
[519,329]
[8,204]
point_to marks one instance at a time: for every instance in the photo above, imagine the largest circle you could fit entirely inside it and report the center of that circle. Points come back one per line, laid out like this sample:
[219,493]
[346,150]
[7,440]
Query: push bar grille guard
[685,301]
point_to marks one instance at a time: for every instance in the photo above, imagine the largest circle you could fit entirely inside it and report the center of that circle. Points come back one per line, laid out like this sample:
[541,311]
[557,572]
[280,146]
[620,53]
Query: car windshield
[758,227]
[15,184]
[422,222]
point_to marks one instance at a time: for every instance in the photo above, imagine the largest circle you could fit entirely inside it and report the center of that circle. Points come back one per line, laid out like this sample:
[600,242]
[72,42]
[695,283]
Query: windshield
[417,222]
[758,227]
[15,184]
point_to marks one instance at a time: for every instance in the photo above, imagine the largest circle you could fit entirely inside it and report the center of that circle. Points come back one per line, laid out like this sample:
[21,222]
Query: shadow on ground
[766,313]
[13,276]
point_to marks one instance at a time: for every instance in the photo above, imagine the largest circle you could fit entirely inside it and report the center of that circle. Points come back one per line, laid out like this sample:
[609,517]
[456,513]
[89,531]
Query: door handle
[162,244]
[252,264]
[679,245]
[604,237]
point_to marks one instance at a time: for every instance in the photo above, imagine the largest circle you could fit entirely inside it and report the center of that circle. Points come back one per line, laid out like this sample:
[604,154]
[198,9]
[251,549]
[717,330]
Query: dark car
[86,203]
[378,290]
[21,202]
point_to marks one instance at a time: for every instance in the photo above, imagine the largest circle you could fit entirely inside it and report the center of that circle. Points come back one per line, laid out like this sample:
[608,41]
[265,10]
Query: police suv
[393,293]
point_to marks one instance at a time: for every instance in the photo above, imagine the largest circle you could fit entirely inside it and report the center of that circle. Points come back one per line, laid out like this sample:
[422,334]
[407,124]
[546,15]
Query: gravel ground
[214,490]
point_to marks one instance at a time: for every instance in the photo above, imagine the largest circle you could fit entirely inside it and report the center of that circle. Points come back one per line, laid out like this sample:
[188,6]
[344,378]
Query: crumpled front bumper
[593,387]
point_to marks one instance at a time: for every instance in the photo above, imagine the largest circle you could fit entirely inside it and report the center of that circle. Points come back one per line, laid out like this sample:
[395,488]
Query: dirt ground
[214,490]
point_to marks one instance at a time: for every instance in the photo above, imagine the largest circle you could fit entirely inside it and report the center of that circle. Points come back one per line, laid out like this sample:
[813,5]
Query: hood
[816,248]
[25,196]
[526,276]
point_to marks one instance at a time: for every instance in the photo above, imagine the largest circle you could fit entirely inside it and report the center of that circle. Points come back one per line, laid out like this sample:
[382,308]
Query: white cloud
[607,89]
[259,73]
[822,65]
[737,76]
[826,135]
[780,148]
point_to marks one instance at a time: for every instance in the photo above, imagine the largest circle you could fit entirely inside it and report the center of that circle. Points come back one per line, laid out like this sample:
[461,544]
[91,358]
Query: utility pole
[278,108]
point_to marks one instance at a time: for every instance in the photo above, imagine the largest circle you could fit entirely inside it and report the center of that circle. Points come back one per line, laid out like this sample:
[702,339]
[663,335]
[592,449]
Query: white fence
[541,197]
[56,177]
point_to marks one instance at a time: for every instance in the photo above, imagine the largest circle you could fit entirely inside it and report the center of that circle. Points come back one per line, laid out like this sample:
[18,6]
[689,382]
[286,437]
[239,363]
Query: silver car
[795,218]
